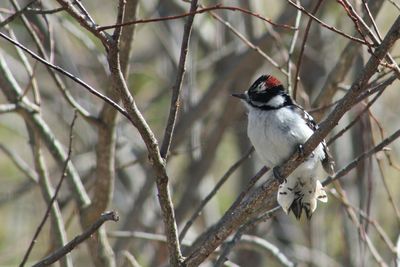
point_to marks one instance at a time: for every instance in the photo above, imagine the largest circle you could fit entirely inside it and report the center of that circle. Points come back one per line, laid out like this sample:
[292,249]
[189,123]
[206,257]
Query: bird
[278,127]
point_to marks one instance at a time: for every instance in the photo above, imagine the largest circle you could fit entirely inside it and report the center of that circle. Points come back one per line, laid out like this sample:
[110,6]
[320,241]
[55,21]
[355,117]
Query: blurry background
[210,132]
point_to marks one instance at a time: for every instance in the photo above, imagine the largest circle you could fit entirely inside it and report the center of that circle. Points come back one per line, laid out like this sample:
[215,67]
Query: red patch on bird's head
[271,82]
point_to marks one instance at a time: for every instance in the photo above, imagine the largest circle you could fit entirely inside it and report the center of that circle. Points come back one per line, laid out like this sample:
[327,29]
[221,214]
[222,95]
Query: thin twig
[45,12]
[28,68]
[176,89]
[398,251]
[69,75]
[61,252]
[382,234]
[258,242]
[371,18]
[20,164]
[199,11]
[30,84]
[364,29]
[249,43]
[366,154]
[303,46]
[53,199]
[339,71]
[358,40]
[57,79]
[143,235]
[398,7]
[363,234]
[223,179]
[83,10]
[356,119]
[130,258]
[291,50]
[7,108]
[238,235]
[355,18]
[13,194]
[383,178]
[86,22]
[16,14]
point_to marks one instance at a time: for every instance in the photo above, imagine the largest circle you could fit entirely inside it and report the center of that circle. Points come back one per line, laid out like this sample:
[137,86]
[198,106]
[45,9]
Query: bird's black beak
[241,96]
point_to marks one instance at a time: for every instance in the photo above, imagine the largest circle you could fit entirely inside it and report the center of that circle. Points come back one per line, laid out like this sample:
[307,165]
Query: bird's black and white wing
[328,162]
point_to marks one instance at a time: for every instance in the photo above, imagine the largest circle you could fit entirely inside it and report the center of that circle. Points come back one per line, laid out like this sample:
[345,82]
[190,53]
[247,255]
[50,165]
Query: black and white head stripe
[267,93]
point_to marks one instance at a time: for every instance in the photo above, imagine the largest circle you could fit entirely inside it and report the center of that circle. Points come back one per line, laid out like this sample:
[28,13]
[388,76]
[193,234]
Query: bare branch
[130,258]
[176,89]
[45,12]
[358,40]
[291,50]
[68,74]
[359,115]
[7,108]
[53,199]
[20,164]
[398,251]
[223,179]
[61,252]
[16,14]
[193,12]
[86,22]
[248,43]
[257,242]
[366,154]
[58,81]
[238,235]
[371,18]
[303,46]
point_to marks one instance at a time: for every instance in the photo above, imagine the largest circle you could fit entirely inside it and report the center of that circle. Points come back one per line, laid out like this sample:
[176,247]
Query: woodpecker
[277,127]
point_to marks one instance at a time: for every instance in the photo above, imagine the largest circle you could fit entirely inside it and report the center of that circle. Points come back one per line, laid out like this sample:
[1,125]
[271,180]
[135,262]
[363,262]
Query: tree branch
[194,12]
[176,89]
[61,252]
[323,24]
[303,46]
[53,199]
[224,178]
[162,180]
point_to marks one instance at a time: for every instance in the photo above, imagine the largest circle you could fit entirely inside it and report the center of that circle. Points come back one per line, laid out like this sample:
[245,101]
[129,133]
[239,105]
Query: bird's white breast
[276,134]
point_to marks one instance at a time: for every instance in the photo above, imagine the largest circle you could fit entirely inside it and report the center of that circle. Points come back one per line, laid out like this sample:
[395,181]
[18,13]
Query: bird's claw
[300,150]
[278,176]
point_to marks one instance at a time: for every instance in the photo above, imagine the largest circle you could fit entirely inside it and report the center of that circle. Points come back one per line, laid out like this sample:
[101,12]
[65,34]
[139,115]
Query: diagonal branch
[16,14]
[367,154]
[224,178]
[61,252]
[323,24]
[86,22]
[176,89]
[68,74]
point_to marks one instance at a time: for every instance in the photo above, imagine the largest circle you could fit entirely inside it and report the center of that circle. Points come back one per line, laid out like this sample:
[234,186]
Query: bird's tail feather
[298,197]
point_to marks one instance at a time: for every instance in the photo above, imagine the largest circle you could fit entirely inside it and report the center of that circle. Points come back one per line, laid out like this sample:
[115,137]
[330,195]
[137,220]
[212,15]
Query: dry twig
[61,252]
